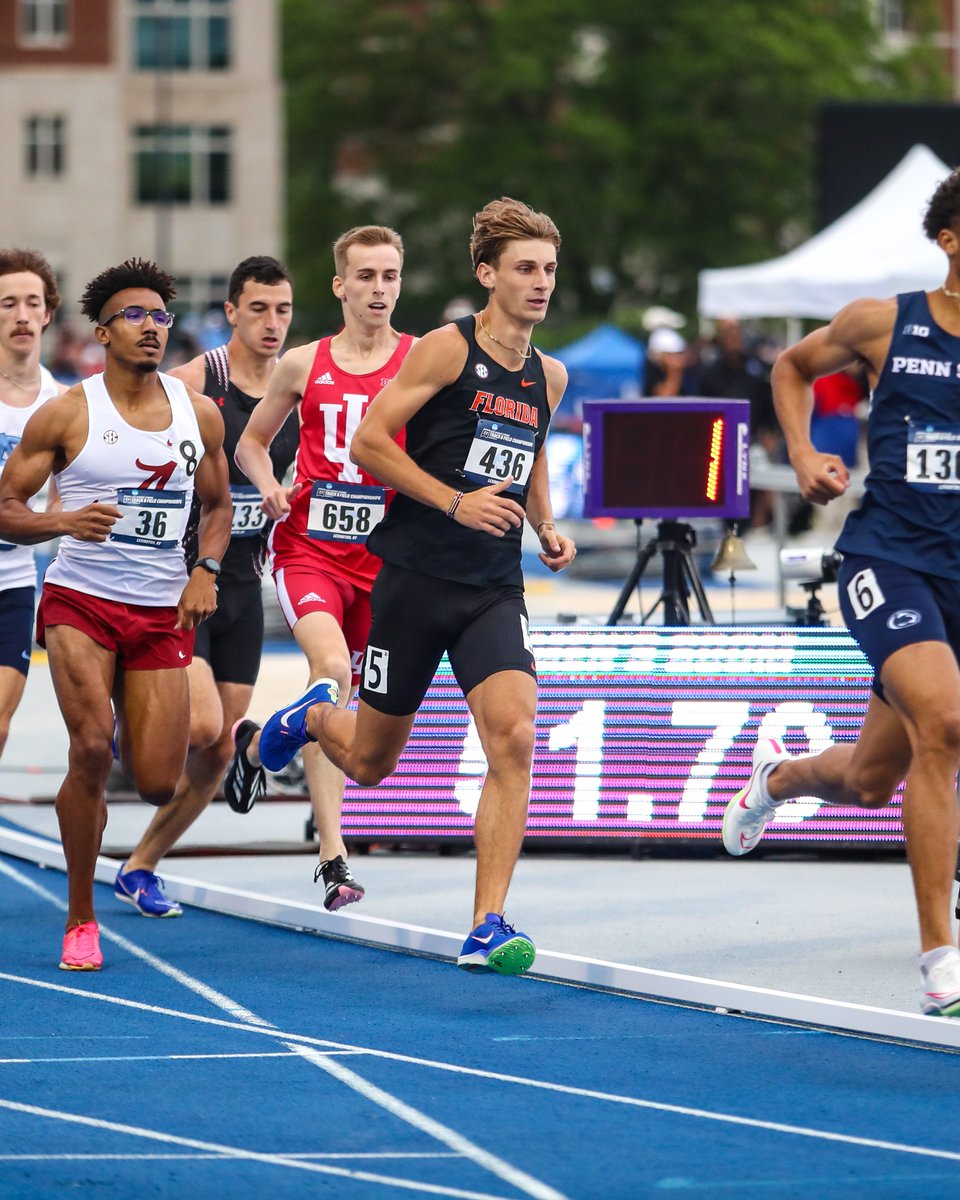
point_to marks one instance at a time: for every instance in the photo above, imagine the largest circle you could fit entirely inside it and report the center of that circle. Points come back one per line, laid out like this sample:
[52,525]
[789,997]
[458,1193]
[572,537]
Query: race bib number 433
[344,512]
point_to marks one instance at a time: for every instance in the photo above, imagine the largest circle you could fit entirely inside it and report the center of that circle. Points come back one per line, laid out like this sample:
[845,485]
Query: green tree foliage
[663,136]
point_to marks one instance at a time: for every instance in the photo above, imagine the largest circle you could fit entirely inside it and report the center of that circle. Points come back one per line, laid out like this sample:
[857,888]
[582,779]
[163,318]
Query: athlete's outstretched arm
[434,363]
[284,392]
[39,452]
[857,334]
[212,486]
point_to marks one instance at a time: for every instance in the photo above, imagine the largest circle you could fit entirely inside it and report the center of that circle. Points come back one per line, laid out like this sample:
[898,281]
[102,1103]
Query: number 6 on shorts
[864,593]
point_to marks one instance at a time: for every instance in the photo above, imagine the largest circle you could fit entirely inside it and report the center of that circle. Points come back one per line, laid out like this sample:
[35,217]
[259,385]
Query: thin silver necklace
[24,387]
[524,354]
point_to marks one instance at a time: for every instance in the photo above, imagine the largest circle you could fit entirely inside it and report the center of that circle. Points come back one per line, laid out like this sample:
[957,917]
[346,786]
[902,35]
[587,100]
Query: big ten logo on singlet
[344,512]
[933,457]
[340,423]
[249,518]
[501,452]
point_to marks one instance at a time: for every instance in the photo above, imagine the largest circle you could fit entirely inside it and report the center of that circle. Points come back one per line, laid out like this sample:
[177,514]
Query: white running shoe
[941,987]
[748,813]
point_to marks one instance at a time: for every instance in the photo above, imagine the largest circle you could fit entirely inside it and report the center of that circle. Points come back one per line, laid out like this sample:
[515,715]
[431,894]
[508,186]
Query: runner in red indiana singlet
[318,555]
[129,448]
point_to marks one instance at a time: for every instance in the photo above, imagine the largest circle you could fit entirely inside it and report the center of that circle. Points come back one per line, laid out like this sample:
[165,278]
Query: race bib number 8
[248,515]
[344,512]
[150,517]
[933,458]
[500,452]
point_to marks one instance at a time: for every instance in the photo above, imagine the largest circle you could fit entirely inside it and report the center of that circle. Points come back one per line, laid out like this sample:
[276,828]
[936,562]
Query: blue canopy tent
[604,365]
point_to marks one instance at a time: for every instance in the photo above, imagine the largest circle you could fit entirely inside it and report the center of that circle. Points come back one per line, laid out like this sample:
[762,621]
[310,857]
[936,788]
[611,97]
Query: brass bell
[732,556]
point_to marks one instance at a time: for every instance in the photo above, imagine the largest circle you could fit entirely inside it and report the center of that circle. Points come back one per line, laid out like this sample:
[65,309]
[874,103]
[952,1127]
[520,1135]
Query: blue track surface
[383,1074]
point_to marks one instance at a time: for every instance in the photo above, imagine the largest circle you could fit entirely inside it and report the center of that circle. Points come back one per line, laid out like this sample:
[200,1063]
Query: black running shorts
[231,640]
[416,618]
[16,628]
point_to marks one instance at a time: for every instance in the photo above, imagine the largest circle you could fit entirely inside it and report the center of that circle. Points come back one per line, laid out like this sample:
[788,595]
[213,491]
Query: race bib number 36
[500,452]
[933,457]
[149,517]
[344,512]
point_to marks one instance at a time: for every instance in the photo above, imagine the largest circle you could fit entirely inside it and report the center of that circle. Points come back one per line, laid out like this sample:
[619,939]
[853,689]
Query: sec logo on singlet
[481,370]
[903,618]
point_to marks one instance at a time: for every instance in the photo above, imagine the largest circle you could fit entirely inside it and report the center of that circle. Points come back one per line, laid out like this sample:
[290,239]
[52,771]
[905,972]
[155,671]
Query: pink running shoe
[748,813]
[81,948]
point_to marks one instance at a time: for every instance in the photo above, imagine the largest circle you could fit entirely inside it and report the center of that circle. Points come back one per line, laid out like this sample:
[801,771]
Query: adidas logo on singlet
[326,377]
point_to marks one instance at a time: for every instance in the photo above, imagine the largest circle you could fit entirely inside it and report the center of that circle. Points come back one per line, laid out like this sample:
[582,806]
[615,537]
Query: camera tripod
[674,541]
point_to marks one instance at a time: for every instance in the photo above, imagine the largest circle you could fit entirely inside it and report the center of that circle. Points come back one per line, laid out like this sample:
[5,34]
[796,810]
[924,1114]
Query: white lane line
[448,1137]
[237,1152]
[397,1107]
[564,1089]
[102,1058]
[218,999]
[306,1157]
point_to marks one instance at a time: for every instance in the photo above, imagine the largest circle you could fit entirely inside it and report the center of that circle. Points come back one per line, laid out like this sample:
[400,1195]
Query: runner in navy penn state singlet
[899,586]
[475,399]
[130,448]
[28,301]
[227,648]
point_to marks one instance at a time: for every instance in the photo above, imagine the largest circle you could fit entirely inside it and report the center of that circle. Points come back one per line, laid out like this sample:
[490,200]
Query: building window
[182,164]
[44,147]
[43,22]
[182,35]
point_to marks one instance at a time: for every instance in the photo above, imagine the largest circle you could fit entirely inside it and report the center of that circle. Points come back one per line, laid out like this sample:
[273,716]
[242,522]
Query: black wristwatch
[208,564]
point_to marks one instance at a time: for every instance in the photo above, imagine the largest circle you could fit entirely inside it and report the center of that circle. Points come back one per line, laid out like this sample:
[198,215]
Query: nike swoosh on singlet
[527,382]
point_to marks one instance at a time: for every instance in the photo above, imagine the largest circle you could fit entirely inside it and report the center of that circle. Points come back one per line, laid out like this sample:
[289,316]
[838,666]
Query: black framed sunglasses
[137,315]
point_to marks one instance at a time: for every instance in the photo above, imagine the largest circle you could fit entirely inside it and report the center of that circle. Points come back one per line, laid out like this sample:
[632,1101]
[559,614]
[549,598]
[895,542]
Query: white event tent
[878,248]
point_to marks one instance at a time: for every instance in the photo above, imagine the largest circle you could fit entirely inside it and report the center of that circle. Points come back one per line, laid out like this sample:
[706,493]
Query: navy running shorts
[16,628]
[887,607]
[417,618]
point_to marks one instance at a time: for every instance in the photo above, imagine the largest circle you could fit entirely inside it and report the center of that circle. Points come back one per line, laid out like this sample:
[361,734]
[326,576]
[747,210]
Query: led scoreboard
[643,734]
[666,458]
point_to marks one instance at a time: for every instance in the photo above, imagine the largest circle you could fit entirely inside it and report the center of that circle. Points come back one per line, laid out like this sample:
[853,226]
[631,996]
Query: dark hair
[134,273]
[506,220]
[260,268]
[943,210]
[15,259]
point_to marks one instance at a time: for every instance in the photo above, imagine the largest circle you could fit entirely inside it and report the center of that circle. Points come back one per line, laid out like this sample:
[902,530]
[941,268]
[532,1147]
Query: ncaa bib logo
[903,618]
[481,370]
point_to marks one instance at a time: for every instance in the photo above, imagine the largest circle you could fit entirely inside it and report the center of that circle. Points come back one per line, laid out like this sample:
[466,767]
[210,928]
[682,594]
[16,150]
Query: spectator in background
[669,370]
[838,400]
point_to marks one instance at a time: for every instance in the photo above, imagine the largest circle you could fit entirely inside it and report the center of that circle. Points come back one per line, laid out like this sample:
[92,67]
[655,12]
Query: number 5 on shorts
[864,593]
[375,669]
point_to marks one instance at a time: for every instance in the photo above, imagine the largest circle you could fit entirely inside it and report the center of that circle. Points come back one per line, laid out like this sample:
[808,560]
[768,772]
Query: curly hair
[14,259]
[943,210]
[134,273]
[506,220]
[260,268]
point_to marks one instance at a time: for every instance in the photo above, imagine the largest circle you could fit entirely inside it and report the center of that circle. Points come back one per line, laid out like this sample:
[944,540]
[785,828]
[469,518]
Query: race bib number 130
[933,457]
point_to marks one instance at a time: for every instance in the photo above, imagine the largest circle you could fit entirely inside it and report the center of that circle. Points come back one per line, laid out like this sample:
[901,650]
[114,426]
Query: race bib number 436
[344,512]
[499,452]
